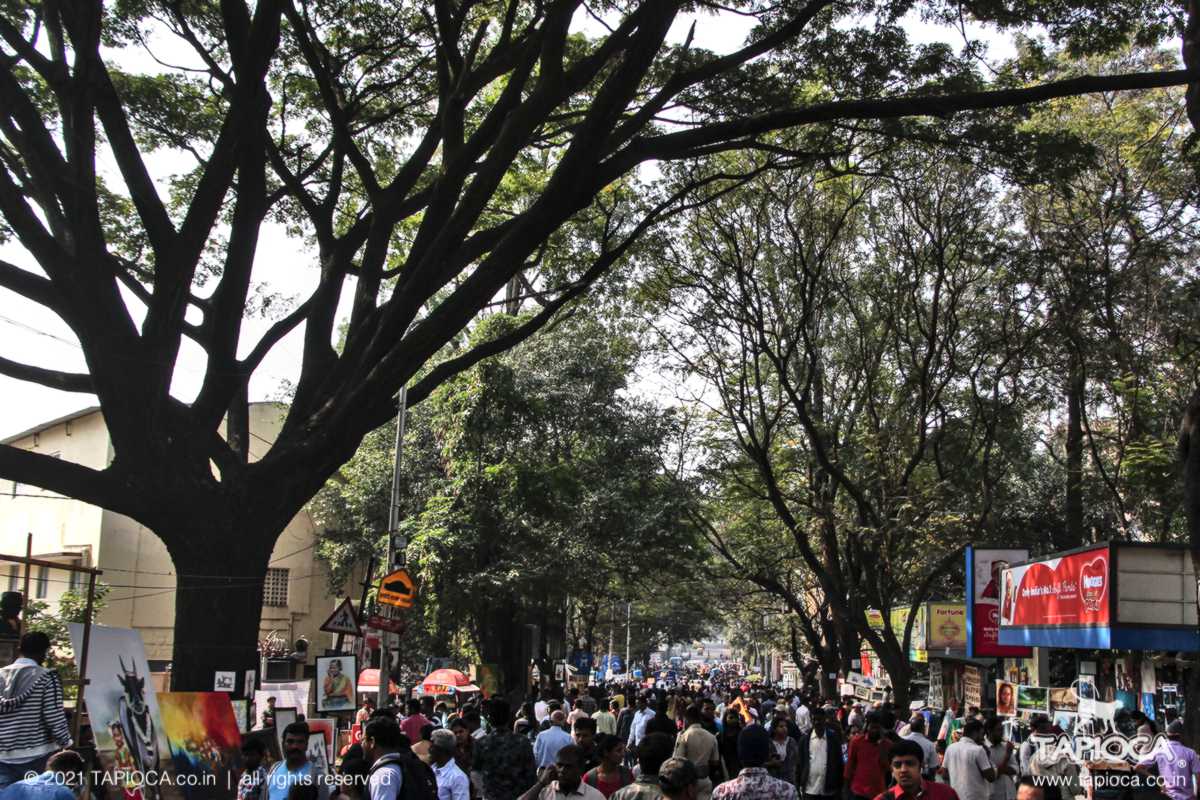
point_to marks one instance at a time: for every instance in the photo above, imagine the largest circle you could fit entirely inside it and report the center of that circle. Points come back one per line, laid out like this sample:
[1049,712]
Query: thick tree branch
[98,487]
[63,381]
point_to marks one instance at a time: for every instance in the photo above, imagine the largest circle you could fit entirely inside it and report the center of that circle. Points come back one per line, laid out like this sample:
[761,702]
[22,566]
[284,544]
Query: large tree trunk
[1074,506]
[1189,455]
[220,569]
[900,671]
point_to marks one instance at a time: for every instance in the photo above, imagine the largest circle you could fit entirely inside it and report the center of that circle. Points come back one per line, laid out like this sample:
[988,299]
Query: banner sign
[947,627]
[1072,590]
[985,571]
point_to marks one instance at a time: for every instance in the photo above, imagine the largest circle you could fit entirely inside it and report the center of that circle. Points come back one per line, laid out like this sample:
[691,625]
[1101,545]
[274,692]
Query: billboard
[985,570]
[947,627]
[1072,590]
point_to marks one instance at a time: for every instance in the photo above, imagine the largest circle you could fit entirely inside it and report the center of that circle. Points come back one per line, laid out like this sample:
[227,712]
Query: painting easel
[29,561]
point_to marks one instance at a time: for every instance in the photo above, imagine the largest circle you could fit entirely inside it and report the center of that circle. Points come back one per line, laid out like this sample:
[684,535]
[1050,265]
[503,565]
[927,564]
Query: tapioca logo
[1093,581]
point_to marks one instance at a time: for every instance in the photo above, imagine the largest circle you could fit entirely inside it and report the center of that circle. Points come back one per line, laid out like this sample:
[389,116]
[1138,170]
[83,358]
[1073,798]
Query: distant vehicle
[676,662]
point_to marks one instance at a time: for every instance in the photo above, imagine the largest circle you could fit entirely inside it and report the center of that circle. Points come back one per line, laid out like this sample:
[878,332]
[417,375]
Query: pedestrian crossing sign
[343,620]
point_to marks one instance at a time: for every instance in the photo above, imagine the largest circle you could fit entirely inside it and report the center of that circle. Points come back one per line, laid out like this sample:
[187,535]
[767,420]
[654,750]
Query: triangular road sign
[343,620]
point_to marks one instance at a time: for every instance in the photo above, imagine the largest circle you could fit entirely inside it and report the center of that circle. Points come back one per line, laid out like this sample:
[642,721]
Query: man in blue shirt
[295,768]
[62,780]
[551,740]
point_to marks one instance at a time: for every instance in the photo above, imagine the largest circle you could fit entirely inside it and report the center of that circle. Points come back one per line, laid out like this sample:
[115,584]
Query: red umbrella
[447,681]
[368,681]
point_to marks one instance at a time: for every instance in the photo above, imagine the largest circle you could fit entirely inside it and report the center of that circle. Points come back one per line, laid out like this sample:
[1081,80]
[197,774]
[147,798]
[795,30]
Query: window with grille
[275,591]
[14,577]
[42,588]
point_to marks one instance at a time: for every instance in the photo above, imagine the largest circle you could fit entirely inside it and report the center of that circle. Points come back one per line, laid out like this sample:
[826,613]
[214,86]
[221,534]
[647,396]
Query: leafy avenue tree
[544,501]
[431,155]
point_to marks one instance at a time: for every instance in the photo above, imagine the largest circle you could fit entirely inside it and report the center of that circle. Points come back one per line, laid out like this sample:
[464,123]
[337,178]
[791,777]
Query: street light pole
[395,551]
[628,618]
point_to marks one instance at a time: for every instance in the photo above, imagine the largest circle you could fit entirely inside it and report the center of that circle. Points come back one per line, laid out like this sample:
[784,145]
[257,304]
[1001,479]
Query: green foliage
[532,482]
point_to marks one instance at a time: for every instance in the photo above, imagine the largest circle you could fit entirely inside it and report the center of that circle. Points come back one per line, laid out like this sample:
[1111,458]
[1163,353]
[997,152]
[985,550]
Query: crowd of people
[699,741]
[627,743]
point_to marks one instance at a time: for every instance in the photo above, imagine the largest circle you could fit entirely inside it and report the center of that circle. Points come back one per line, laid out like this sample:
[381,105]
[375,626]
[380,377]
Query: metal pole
[385,656]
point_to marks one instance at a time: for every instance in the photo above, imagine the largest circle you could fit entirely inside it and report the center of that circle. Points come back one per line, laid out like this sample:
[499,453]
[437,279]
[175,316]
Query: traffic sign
[384,624]
[397,589]
[343,620]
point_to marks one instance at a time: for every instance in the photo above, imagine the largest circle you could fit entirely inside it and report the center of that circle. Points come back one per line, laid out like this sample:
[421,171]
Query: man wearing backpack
[394,775]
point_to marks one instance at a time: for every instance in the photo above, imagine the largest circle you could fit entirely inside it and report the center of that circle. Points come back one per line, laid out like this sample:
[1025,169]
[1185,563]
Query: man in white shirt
[640,718]
[967,764]
[819,767]
[916,733]
[541,709]
[452,782]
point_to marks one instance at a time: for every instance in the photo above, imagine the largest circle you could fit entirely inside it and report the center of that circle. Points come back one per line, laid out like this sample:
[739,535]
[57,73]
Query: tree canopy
[432,158]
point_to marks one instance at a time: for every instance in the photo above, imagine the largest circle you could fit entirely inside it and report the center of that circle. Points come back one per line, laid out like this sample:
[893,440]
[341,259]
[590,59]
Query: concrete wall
[135,562]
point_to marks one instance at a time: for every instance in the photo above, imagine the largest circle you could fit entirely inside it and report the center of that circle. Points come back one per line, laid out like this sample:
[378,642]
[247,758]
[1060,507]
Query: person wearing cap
[1178,765]
[754,782]
[452,782]
[679,779]
[908,768]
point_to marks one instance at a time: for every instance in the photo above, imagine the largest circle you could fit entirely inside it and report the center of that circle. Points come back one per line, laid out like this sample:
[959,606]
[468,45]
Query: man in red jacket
[907,757]
[867,761]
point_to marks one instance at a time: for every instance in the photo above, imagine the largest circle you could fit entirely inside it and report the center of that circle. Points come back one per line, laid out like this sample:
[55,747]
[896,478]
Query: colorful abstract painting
[204,741]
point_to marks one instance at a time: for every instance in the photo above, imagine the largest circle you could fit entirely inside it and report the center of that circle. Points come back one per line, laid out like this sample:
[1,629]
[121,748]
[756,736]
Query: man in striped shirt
[33,724]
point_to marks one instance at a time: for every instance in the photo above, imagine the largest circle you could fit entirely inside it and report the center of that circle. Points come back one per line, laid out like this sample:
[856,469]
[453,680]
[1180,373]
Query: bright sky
[33,335]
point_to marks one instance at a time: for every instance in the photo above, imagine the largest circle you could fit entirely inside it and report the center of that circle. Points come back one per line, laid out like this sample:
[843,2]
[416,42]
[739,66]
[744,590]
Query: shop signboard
[935,700]
[985,571]
[972,687]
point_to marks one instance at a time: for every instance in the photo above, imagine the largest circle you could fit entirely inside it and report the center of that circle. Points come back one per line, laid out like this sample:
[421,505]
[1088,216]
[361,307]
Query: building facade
[136,565]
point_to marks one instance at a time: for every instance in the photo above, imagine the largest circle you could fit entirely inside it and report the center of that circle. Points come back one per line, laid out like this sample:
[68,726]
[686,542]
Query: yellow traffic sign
[397,589]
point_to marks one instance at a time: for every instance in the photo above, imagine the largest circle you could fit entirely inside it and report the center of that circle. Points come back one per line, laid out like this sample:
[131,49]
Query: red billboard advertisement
[1072,590]
[985,566]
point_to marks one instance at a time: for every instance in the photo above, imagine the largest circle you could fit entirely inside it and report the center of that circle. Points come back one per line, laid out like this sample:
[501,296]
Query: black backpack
[417,782]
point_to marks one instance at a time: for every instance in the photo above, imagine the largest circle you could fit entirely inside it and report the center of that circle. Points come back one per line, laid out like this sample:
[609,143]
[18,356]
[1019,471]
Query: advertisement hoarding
[947,627]
[1069,591]
[985,570]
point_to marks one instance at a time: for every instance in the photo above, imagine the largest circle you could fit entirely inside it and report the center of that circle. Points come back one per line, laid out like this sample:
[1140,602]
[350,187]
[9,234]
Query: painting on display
[203,740]
[317,754]
[327,727]
[1064,699]
[1033,698]
[241,712]
[225,682]
[336,676]
[1006,699]
[283,718]
[121,703]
